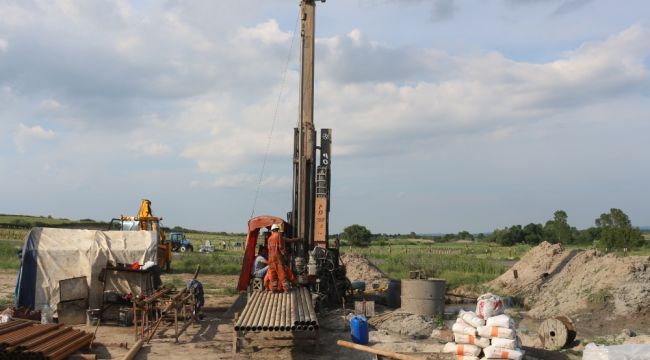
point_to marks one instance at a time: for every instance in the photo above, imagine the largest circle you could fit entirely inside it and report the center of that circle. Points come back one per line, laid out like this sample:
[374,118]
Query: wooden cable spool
[557,333]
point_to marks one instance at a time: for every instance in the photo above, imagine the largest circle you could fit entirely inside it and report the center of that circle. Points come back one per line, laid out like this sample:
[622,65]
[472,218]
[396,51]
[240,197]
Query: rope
[275,118]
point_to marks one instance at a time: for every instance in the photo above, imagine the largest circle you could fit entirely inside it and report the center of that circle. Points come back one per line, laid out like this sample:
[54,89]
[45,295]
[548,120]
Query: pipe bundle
[22,339]
[270,311]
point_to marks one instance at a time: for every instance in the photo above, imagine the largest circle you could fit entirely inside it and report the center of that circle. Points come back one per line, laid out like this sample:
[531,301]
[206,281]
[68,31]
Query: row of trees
[612,230]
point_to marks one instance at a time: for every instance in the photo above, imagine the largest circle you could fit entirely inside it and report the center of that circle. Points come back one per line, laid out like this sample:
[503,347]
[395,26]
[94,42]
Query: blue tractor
[179,242]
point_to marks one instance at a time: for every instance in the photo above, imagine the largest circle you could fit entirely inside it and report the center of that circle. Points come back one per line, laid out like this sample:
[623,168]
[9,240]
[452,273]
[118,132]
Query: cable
[275,118]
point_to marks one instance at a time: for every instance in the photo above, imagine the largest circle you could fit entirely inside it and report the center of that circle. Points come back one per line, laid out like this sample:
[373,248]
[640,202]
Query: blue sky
[447,115]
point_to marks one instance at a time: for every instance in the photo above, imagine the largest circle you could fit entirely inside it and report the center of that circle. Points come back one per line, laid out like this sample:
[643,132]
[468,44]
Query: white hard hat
[275,227]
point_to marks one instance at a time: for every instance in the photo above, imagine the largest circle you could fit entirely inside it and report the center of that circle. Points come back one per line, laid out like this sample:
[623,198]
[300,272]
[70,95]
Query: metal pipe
[279,321]
[265,309]
[251,312]
[274,309]
[251,323]
[305,312]
[285,311]
[249,309]
[71,347]
[134,350]
[246,312]
[294,309]
[29,343]
[48,345]
[298,300]
[312,311]
[269,311]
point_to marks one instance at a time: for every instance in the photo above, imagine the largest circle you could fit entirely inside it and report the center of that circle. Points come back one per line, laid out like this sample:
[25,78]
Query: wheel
[182,248]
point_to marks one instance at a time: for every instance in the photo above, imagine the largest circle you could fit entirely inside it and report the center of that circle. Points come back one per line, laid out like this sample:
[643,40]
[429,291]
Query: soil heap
[554,281]
[358,268]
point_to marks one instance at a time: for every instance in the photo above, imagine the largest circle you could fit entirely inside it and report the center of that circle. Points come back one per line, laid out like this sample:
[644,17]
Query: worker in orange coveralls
[279,276]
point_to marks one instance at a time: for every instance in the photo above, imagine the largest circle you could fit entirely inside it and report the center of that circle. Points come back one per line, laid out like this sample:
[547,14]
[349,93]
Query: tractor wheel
[182,248]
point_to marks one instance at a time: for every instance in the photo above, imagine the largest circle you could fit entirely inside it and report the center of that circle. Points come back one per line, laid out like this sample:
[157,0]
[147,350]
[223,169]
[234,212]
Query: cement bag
[471,339]
[489,305]
[461,349]
[495,331]
[616,352]
[462,327]
[493,352]
[502,320]
[471,318]
[466,357]
[504,343]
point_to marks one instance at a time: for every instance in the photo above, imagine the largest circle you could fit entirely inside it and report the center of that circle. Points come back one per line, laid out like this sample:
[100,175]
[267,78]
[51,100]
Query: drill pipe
[21,336]
[285,306]
[262,314]
[255,320]
[251,312]
[310,307]
[293,309]
[278,312]
[305,312]
[299,312]
[13,326]
[267,320]
[41,339]
[280,320]
[246,311]
[255,312]
[52,343]
[267,311]
[66,350]
[274,313]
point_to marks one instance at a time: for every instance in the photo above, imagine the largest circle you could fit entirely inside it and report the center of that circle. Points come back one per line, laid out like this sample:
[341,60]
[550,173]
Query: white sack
[502,320]
[495,331]
[616,352]
[493,352]
[471,339]
[461,349]
[471,318]
[463,328]
[489,305]
[504,343]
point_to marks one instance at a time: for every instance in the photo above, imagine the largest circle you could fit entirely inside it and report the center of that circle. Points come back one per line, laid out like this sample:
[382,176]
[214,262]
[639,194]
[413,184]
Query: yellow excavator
[145,221]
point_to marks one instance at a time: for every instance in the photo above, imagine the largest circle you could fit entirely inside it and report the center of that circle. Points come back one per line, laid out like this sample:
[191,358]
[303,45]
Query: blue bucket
[359,329]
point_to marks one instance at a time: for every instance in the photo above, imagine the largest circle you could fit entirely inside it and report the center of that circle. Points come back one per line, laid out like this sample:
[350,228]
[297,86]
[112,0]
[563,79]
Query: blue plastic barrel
[359,327]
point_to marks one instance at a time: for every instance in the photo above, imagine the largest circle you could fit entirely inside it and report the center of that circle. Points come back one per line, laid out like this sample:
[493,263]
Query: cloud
[443,10]
[562,7]
[23,135]
[4,45]
[249,180]
[149,148]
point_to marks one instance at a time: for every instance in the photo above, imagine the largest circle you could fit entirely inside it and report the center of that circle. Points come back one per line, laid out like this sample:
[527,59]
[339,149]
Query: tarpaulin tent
[50,255]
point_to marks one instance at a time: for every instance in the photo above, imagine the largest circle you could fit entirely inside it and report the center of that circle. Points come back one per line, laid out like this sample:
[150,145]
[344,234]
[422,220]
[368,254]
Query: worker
[277,275]
[261,265]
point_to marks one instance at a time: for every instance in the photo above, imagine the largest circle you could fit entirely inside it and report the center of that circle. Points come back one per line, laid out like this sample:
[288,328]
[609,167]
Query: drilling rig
[313,260]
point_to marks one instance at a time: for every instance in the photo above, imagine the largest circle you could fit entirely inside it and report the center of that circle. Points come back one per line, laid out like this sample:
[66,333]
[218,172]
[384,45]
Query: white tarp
[66,253]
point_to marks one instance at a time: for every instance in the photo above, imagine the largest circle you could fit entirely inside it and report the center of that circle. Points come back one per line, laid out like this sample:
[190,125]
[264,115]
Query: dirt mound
[358,268]
[554,281]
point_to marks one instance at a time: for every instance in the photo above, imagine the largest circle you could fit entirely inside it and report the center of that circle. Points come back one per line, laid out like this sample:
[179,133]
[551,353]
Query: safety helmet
[275,227]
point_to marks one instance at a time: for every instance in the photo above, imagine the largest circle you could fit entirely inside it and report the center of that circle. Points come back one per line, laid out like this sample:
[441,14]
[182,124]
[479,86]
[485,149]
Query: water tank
[359,329]
[424,297]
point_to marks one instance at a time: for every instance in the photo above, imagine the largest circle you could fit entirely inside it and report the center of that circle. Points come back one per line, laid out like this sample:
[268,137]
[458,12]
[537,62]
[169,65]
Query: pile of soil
[358,268]
[554,281]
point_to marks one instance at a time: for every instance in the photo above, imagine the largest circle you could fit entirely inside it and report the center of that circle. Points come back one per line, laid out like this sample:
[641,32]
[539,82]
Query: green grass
[214,263]
[9,255]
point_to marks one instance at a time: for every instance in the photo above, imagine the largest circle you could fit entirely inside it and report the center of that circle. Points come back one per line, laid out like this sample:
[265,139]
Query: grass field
[469,263]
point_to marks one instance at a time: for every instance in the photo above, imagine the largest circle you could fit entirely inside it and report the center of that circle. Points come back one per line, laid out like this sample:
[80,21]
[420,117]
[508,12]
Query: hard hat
[275,227]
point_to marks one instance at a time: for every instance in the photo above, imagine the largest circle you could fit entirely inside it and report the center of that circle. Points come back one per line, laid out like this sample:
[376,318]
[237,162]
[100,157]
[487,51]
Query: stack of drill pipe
[269,311]
[31,340]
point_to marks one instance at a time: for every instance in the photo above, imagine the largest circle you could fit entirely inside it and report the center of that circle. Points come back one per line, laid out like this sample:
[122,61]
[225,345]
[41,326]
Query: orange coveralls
[276,267]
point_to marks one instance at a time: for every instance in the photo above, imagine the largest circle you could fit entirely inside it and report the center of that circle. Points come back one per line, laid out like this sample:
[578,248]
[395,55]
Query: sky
[447,115]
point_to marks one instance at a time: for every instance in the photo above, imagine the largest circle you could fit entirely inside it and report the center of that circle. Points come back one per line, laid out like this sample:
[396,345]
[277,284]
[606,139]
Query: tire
[182,248]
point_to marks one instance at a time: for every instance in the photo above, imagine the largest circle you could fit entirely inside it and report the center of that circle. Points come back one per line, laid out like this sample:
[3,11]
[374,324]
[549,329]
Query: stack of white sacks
[486,332]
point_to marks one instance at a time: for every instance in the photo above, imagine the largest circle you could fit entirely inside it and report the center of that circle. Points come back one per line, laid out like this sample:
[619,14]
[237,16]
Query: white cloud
[149,148]
[50,104]
[249,180]
[23,135]
[4,45]
[267,32]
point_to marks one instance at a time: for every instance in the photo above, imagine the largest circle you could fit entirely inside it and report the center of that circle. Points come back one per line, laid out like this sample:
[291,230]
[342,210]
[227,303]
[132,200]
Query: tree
[616,230]
[561,227]
[465,235]
[357,235]
[533,233]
